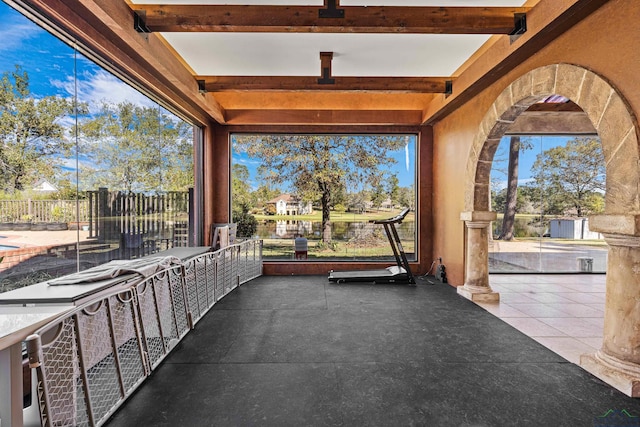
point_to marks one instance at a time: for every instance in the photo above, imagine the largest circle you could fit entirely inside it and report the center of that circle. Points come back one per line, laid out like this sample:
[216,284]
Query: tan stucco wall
[604,43]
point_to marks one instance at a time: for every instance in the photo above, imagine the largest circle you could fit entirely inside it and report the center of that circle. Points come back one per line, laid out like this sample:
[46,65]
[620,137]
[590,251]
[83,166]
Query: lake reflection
[288,229]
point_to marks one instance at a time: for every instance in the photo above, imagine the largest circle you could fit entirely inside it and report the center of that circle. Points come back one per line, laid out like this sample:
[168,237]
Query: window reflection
[542,223]
[326,189]
[91,169]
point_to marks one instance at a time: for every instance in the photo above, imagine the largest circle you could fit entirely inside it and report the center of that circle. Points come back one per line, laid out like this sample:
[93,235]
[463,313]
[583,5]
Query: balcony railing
[91,358]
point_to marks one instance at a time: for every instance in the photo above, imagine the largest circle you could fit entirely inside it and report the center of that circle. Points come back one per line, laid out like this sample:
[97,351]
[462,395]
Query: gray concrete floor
[300,351]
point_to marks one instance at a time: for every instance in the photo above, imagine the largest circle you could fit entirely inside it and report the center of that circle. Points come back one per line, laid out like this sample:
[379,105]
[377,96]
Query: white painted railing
[91,358]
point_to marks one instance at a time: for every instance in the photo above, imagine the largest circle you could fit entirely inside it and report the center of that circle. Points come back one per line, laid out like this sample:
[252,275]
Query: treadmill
[399,273]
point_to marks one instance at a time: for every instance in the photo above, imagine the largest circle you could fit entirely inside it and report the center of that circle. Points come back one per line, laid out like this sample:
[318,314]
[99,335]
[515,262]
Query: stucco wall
[604,43]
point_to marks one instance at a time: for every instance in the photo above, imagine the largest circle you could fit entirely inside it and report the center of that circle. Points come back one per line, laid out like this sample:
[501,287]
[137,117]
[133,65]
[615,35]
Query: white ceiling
[298,54]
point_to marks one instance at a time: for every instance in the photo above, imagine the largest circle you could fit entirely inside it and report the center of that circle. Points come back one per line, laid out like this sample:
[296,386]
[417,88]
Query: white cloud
[99,87]
[406,155]
[16,35]
[501,185]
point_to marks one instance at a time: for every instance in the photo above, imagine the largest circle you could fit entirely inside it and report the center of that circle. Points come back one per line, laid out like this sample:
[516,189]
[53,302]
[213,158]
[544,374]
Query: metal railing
[91,359]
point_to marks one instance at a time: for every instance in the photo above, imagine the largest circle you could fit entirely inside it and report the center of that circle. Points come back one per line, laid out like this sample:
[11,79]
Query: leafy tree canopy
[241,199]
[569,176]
[137,148]
[319,165]
[32,132]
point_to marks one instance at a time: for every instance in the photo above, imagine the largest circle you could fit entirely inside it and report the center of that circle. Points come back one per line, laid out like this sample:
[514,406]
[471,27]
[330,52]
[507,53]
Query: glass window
[91,169]
[325,189]
[542,224]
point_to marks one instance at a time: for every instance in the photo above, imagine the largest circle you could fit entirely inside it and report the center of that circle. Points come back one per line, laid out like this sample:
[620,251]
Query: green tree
[500,198]
[357,202]
[137,148]
[318,165]
[32,136]
[176,150]
[516,145]
[569,175]
[241,199]
[407,197]
[393,189]
[339,196]
[378,195]
[263,194]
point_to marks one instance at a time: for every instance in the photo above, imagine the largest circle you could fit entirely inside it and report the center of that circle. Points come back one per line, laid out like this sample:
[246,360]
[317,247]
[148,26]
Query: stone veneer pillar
[618,361]
[476,285]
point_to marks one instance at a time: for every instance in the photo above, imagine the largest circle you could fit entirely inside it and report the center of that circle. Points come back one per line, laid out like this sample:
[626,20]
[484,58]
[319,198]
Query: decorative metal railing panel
[163,312]
[91,360]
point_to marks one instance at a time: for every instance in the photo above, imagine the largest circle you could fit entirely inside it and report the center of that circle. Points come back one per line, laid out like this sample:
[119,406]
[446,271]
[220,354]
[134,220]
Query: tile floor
[565,313]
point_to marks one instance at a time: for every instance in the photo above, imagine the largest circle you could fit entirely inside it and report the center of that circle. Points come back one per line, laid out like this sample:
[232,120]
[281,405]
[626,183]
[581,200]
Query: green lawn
[283,249]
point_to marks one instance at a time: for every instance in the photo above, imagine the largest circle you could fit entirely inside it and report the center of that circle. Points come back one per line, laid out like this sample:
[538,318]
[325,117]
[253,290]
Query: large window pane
[326,189]
[560,181]
[91,169]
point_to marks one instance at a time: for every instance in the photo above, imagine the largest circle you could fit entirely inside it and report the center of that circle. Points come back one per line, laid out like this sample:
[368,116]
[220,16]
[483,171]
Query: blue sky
[50,64]
[52,67]
[526,159]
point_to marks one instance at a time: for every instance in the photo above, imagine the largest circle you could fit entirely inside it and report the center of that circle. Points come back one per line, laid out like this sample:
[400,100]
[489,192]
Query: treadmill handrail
[394,220]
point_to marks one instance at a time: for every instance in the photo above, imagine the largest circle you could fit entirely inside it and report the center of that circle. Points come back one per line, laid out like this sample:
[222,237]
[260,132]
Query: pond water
[288,229]
[356,239]
[7,247]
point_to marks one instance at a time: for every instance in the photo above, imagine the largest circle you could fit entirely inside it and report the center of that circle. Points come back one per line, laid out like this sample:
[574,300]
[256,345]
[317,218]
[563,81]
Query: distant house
[287,204]
[44,186]
[385,205]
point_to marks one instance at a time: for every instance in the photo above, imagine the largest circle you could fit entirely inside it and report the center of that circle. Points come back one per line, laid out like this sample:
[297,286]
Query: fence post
[103,214]
[191,218]
[90,199]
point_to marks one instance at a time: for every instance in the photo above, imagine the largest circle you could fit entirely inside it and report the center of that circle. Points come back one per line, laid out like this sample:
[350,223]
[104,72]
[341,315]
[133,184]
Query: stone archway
[618,362]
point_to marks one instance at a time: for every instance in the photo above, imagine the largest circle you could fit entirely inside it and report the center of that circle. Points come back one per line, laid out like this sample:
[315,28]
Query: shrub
[324,246]
[247,225]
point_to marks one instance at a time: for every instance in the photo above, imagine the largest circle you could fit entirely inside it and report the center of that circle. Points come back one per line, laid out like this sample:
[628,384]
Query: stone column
[618,361]
[476,285]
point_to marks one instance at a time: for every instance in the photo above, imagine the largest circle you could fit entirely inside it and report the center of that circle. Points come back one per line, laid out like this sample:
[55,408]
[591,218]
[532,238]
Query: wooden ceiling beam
[547,21]
[308,19]
[325,117]
[315,84]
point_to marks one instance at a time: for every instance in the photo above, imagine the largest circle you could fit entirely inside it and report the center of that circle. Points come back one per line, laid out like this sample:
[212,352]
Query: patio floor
[298,350]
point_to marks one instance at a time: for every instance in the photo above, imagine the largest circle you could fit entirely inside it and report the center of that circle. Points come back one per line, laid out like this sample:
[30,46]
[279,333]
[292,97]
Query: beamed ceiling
[369,62]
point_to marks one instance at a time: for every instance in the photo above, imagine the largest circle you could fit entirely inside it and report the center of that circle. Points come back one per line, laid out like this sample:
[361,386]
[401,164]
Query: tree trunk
[326,216]
[509,218]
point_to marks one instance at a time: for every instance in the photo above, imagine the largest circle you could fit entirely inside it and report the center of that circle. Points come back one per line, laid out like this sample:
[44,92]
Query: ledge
[628,225]
[478,216]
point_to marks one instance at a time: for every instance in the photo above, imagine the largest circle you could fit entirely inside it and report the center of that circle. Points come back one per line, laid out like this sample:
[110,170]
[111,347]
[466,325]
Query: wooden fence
[112,216]
[135,217]
[29,210]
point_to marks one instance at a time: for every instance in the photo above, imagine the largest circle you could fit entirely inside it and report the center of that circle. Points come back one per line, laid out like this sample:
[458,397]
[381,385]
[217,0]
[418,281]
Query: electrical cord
[430,268]
[424,276]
